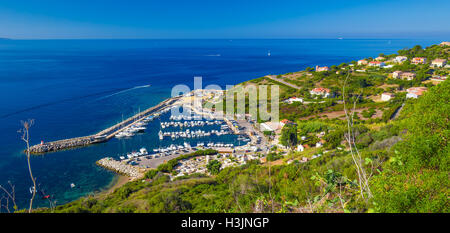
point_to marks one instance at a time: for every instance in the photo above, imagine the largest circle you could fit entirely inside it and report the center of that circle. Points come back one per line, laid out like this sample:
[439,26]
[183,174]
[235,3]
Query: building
[400,59]
[403,75]
[293,99]
[438,78]
[379,59]
[387,96]
[438,62]
[446,43]
[415,92]
[324,92]
[362,62]
[419,60]
[270,126]
[286,122]
[300,148]
[396,74]
[323,68]
[408,75]
[376,64]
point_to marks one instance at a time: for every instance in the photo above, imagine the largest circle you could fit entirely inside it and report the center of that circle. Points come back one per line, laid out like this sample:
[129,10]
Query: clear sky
[44,19]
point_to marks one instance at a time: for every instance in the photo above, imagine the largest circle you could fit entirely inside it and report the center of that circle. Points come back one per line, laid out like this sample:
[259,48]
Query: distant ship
[268,54]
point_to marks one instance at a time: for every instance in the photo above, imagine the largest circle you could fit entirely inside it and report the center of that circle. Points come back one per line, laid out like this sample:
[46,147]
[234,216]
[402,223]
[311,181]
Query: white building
[387,96]
[293,100]
[324,92]
[438,62]
[270,126]
[400,59]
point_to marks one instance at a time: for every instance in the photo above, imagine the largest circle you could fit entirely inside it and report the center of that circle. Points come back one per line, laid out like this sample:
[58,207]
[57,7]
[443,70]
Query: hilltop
[400,130]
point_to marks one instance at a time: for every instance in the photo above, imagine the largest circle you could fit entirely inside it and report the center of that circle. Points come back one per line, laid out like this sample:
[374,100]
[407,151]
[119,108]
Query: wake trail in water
[55,102]
[116,92]
[123,91]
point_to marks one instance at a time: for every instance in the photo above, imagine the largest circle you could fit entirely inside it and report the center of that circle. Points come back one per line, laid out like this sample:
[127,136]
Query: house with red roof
[415,92]
[376,63]
[324,92]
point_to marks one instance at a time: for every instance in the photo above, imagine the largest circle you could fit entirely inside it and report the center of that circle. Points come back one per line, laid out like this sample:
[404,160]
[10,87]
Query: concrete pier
[103,135]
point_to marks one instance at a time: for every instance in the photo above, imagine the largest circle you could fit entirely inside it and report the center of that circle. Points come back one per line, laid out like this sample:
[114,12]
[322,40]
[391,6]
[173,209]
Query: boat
[143,151]
[72,185]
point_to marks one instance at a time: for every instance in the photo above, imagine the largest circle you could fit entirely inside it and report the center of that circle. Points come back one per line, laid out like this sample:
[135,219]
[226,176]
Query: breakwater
[103,135]
[121,168]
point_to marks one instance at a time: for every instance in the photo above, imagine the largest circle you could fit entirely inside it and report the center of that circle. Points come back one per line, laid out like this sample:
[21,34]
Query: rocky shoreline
[121,168]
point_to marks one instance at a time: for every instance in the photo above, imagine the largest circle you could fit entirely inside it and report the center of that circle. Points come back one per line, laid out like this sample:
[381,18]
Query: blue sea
[79,87]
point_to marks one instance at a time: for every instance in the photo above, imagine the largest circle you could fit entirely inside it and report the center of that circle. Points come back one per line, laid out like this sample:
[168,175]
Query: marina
[125,128]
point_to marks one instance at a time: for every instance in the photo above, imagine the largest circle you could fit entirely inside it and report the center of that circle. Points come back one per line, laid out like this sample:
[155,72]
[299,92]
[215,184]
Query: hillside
[403,144]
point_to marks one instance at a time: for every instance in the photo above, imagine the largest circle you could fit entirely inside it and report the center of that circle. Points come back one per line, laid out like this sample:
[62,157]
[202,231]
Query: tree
[26,138]
[214,167]
[289,135]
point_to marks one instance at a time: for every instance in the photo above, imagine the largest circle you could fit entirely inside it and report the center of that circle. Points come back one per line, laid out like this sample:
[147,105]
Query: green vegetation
[289,135]
[214,167]
[405,152]
[169,165]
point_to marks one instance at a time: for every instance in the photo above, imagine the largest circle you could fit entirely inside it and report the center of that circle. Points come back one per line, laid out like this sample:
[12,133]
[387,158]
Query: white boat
[72,185]
[143,151]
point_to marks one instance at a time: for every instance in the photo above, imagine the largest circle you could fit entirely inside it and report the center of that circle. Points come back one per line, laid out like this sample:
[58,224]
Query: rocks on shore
[121,167]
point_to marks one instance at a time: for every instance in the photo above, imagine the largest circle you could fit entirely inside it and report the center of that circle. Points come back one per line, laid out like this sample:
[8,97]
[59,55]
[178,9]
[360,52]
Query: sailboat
[268,53]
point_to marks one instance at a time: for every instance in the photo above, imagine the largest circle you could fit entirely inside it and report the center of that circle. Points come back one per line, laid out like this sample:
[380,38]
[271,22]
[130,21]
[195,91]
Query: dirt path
[283,82]
[341,114]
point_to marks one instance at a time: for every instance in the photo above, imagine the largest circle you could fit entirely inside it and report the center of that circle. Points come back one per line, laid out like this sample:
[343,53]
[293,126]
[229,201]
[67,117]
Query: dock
[101,136]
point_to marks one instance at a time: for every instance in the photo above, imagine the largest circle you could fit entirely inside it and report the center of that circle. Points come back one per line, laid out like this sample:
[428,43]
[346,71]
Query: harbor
[122,128]
[171,137]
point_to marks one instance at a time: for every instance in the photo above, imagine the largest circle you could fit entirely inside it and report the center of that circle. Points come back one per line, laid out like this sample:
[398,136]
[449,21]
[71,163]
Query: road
[274,78]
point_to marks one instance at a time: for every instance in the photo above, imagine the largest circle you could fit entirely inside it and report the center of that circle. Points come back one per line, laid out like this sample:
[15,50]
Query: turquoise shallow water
[78,87]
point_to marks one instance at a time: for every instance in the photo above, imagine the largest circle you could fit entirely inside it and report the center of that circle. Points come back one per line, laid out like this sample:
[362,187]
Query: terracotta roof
[321,89]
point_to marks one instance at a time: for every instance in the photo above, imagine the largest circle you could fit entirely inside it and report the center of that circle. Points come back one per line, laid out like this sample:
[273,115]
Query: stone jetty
[121,168]
[101,136]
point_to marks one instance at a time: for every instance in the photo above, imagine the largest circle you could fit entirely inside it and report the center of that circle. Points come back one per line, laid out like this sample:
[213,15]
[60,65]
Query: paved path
[274,78]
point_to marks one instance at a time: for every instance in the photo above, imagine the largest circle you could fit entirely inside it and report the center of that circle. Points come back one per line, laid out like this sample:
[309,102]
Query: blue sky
[46,19]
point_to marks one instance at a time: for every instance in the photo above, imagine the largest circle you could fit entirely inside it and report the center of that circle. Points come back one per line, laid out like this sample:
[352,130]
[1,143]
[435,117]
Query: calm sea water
[78,87]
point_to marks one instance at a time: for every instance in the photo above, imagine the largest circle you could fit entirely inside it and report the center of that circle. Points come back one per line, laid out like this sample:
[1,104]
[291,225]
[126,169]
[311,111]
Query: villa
[438,78]
[387,96]
[324,92]
[438,62]
[418,60]
[400,59]
[323,68]
[293,99]
[408,75]
[362,62]
[376,63]
[403,75]
[379,59]
[446,43]
[415,92]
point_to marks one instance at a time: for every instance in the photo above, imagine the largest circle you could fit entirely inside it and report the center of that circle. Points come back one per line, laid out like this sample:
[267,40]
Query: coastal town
[262,138]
